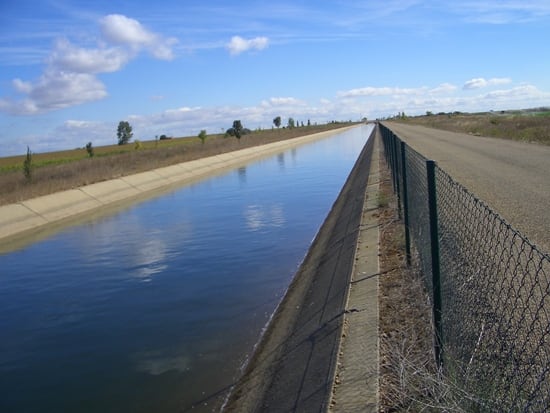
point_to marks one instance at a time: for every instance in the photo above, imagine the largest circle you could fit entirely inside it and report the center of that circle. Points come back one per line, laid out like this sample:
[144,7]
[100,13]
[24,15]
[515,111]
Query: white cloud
[69,78]
[238,45]
[119,29]
[479,82]
[54,90]
[102,60]
[282,101]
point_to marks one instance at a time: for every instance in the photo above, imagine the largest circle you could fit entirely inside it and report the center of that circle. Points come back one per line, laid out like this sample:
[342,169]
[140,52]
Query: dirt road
[513,178]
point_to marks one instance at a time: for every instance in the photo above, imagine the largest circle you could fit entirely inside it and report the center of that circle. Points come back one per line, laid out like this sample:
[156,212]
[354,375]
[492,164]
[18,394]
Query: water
[155,309]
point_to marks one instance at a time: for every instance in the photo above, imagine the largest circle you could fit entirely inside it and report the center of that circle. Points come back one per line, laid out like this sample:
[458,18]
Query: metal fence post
[436,275]
[396,148]
[405,204]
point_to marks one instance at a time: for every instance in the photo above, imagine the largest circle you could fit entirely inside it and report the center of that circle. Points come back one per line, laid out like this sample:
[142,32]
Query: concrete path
[512,177]
[37,218]
[358,368]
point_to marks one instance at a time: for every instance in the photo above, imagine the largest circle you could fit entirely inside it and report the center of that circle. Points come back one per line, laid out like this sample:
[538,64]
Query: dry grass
[409,378]
[518,125]
[58,171]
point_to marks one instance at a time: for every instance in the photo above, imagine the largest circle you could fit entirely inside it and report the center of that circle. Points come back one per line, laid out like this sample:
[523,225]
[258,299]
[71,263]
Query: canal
[157,307]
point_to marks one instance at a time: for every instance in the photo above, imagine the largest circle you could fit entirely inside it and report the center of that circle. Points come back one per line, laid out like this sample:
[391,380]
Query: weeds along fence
[490,287]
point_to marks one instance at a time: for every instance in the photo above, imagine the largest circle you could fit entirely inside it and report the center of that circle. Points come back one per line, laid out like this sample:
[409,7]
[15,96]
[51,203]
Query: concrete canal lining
[294,366]
[37,218]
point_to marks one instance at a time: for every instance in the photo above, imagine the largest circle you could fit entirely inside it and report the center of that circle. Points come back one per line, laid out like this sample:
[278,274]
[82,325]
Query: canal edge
[356,380]
[37,218]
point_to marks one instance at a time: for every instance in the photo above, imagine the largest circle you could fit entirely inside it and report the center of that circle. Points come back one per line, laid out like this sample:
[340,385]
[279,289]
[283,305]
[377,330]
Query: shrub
[28,166]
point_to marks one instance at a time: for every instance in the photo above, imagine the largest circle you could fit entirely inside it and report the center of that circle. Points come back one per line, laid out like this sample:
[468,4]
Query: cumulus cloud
[54,90]
[68,57]
[70,76]
[239,45]
[119,29]
[479,82]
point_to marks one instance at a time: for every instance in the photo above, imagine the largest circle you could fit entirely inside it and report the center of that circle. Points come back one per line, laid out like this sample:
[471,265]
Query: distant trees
[277,122]
[291,123]
[124,132]
[237,128]
[202,135]
[90,149]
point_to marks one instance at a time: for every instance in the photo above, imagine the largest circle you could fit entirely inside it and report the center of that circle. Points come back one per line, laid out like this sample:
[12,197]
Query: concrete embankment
[294,367]
[37,218]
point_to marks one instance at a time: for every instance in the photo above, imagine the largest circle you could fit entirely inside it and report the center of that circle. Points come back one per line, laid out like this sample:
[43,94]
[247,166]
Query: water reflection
[156,308]
[259,217]
[160,361]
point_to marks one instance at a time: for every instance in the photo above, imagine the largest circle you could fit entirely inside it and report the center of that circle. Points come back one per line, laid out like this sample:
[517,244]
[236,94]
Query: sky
[71,70]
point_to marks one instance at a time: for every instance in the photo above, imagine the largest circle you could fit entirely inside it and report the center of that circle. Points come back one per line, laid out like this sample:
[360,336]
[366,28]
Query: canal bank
[320,350]
[37,218]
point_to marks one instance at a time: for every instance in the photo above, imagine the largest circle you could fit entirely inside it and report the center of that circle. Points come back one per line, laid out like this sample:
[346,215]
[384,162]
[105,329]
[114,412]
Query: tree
[124,132]
[28,165]
[202,135]
[237,128]
[90,149]
[277,122]
[291,123]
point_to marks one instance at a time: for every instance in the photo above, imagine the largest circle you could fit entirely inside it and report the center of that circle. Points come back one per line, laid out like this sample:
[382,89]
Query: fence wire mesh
[494,286]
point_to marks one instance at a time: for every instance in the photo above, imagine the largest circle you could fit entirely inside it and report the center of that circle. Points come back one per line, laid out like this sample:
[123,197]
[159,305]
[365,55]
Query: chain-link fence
[490,287]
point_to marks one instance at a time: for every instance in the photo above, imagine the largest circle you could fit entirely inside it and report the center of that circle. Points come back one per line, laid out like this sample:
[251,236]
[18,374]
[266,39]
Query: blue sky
[70,70]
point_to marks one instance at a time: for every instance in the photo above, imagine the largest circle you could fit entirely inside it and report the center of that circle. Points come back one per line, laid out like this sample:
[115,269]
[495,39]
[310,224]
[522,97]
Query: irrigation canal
[157,307]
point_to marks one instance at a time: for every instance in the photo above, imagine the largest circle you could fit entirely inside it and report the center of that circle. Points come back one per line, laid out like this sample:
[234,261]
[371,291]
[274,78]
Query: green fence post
[405,204]
[436,275]
[396,148]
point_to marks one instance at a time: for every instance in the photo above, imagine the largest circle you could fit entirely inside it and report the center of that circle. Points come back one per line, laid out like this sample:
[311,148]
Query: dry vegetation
[57,171]
[528,126]
[409,378]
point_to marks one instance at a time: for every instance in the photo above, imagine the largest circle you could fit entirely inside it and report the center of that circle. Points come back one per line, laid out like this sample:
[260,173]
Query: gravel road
[513,178]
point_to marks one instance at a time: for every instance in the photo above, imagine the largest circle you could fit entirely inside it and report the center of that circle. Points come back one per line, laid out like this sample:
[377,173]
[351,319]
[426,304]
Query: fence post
[436,275]
[391,154]
[396,148]
[405,204]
